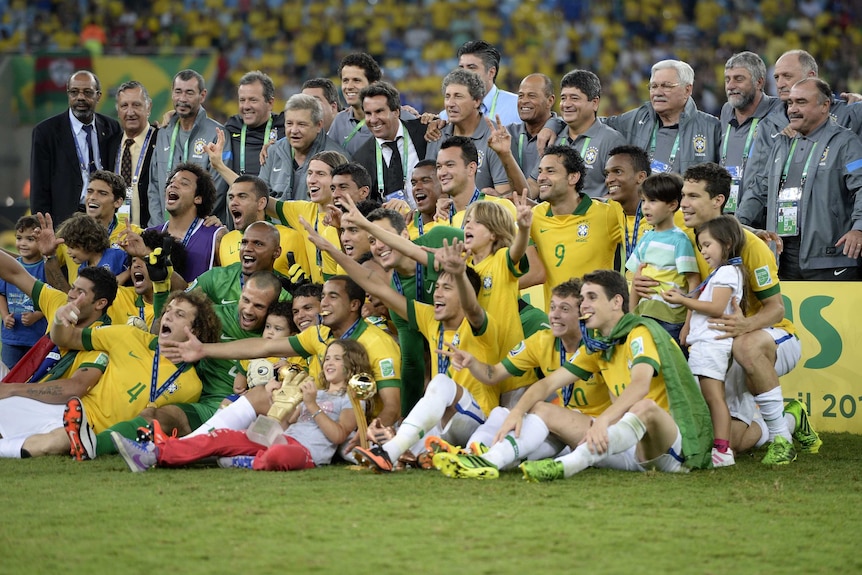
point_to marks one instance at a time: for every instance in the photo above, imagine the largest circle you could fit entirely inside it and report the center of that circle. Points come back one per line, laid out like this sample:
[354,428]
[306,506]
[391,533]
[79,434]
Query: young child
[22,326]
[322,421]
[720,241]
[278,325]
[88,245]
[664,254]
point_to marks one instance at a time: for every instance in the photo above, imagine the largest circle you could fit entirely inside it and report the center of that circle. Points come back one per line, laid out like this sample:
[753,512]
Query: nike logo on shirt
[276,169]
[839,272]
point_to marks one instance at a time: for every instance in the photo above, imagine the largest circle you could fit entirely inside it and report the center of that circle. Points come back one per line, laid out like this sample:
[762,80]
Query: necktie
[92,164]
[126,161]
[394,177]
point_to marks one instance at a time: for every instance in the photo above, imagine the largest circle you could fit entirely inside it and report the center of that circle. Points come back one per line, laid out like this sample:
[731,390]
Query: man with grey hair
[669,127]
[136,146]
[793,66]
[483,59]
[811,191]
[463,92]
[254,126]
[742,116]
[287,162]
[184,139]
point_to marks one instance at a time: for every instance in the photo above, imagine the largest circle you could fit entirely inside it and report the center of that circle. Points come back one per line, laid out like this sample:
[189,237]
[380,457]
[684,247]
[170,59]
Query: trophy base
[266,431]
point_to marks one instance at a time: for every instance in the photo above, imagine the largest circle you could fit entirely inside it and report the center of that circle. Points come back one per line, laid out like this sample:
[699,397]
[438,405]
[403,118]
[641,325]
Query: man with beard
[746,107]
[184,140]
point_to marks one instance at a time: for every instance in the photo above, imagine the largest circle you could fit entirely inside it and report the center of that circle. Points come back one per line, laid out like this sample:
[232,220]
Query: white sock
[238,415]
[485,433]
[624,434]
[10,447]
[790,422]
[771,405]
[512,450]
[427,412]
[551,447]
[764,432]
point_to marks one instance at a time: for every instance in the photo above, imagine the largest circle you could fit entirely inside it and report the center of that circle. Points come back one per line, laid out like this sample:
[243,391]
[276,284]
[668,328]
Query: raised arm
[368,279]
[452,261]
[500,141]
[214,151]
[524,221]
[394,241]
[249,348]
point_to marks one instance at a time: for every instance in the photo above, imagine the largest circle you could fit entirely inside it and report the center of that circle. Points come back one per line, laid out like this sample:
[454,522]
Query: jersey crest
[699,143]
[583,230]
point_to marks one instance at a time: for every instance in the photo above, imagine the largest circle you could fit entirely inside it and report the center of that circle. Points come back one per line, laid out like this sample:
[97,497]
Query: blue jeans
[673,329]
[11,354]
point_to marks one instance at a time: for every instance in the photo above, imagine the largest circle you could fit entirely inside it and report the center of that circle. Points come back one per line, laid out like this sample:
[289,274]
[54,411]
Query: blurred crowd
[415,40]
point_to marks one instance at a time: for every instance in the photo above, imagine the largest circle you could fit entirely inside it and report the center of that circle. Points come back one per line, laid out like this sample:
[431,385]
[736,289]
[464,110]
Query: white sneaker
[720,459]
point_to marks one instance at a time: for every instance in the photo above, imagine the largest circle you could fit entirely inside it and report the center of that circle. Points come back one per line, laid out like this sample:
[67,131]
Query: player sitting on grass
[545,351]
[455,316]
[314,428]
[647,377]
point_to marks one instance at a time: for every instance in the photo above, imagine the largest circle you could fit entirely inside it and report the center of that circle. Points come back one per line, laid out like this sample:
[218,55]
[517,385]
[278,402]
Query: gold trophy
[361,387]
[267,429]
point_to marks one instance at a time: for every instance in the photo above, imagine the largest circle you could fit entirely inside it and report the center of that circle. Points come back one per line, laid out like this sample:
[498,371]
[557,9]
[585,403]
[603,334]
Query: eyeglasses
[664,86]
[88,93]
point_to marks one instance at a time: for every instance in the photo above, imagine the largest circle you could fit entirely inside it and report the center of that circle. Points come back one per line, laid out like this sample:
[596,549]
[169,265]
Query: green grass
[97,517]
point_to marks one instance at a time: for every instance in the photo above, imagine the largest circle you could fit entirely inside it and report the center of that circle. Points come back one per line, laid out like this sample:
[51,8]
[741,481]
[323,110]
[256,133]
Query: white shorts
[670,462]
[710,358]
[740,402]
[21,416]
[467,419]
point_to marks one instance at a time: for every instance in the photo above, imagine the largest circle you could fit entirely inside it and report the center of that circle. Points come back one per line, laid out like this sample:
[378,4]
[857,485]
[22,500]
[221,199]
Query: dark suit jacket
[367,156]
[143,176]
[55,174]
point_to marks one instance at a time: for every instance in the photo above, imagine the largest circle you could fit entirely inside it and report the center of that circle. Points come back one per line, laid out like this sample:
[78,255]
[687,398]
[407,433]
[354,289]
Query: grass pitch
[97,517]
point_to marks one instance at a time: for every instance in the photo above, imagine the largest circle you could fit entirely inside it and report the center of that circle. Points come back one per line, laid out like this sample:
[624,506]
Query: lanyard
[569,389]
[349,136]
[443,361]
[747,148]
[494,103]
[737,261]
[420,225]
[396,279]
[139,301]
[380,185]
[565,141]
[156,392]
[173,146]
[521,149]
[189,231]
[673,150]
[85,165]
[112,226]
[242,143]
[350,330]
[476,194]
[632,243]
[318,255]
[137,172]
[787,165]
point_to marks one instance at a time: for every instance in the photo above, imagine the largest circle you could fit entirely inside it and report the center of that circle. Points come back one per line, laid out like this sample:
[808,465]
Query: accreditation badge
[735,182]
[788,211]
[659,167]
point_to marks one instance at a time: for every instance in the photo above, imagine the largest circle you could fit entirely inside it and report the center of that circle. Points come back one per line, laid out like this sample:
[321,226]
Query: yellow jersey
[588,239]
[322,264]
[294,250]
[127,304]
[639,347]
[128,385]
[543,351]
[483,343]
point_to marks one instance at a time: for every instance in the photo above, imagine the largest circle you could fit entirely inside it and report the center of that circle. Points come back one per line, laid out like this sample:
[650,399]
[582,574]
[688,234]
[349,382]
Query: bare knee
[54,442]
[646,410]
[753,348]
[172,418]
